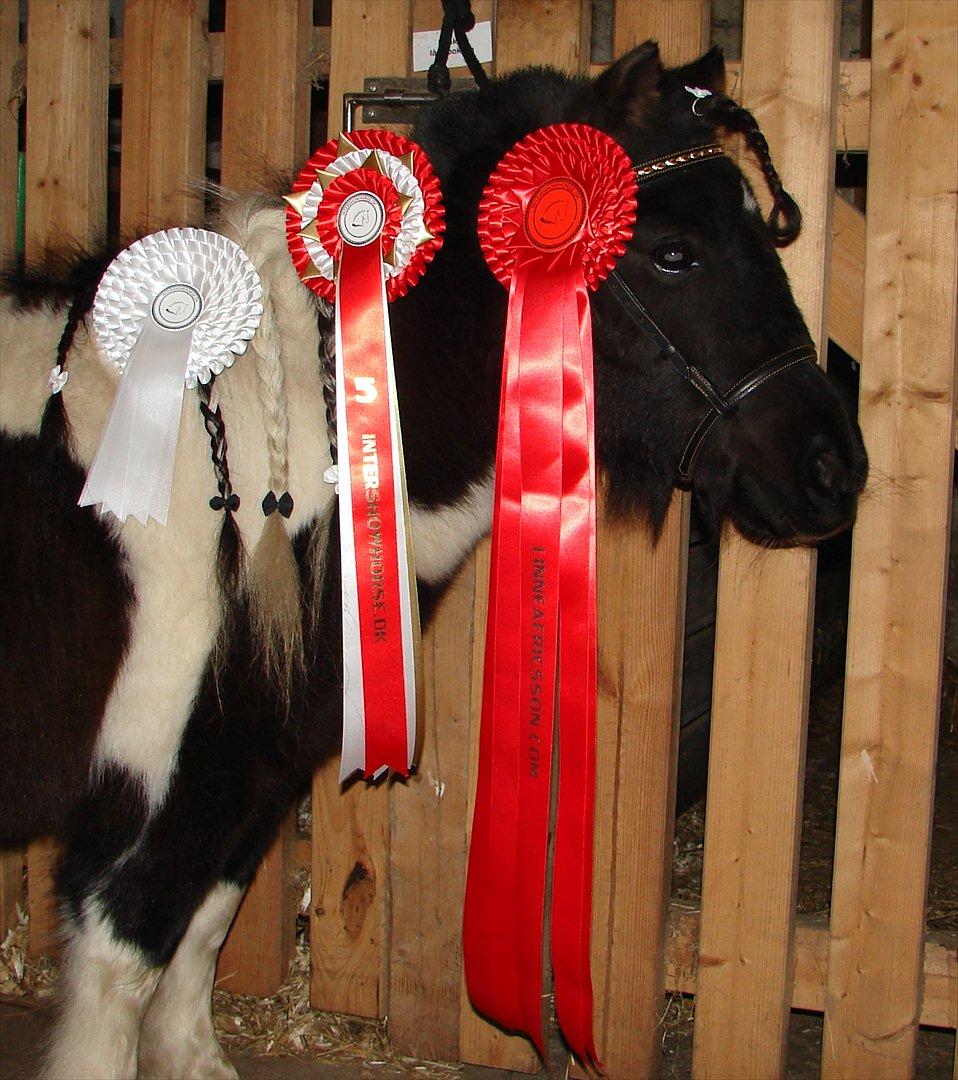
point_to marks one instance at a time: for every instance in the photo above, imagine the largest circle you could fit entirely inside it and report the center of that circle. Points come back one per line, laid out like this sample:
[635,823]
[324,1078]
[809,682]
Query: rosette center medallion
[556,213]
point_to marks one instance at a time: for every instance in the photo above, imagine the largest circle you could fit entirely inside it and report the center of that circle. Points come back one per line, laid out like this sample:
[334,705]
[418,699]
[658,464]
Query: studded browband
[720,405]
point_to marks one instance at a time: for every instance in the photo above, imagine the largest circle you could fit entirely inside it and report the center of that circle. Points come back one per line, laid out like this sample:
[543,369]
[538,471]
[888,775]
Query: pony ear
[706,73]
[627,92]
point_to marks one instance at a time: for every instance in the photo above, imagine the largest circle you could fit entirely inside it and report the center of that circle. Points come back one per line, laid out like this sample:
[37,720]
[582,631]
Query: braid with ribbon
[275,589]
[230,552]
[54,425]
[785,218]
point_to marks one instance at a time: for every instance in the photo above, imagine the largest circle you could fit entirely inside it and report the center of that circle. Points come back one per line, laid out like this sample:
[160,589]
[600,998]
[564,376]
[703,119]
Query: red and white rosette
[363,221]
[554,217]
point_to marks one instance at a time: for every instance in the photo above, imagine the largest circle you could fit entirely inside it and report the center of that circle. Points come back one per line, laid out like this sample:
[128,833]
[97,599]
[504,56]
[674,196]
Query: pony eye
[673,258]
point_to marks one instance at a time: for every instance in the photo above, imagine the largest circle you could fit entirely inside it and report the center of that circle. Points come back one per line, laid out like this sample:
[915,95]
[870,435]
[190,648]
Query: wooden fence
[388,862]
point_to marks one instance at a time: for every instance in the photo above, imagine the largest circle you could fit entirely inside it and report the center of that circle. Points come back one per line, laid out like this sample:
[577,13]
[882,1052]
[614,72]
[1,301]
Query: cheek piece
[720,405]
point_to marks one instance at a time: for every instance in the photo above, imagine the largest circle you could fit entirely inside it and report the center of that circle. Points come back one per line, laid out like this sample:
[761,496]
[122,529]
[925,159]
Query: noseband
[719,405]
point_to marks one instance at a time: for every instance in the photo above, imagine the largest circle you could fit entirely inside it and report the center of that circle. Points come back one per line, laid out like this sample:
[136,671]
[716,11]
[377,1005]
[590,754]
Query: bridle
[720,405]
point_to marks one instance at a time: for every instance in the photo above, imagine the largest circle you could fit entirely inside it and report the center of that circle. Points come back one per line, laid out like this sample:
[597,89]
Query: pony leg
[107,983]
[177,1039]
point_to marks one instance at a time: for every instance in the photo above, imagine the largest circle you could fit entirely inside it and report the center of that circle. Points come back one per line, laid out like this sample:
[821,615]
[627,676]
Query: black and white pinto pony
[141,724]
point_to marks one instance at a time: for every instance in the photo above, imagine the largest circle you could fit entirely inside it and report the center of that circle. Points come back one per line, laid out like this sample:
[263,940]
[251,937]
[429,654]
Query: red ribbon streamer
[549,228]
[362,314]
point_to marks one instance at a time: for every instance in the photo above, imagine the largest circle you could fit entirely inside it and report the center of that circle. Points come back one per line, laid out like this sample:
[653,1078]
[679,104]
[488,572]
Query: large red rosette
[554,217]
[363,221]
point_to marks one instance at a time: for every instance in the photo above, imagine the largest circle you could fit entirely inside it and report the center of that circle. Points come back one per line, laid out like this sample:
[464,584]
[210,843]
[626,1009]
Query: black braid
[53,426]
[230,556]
[785,219]
[327,374]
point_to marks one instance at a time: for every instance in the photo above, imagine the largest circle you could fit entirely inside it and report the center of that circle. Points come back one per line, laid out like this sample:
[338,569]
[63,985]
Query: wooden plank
[641,617]
[44,936]
[846,281]
[480,1042]
[554,32]
[66,124]
[265,132]
[900,552]
[764,617]
[428,844]
[266,89]
[11,888]
[348,920]
[349,897]
[163,164]
[641,640]
[317,60]
[255,957]
[939,1006]
[66,138]
[11,859]
[681,27]
[429,813]
[851,124]
[369,37]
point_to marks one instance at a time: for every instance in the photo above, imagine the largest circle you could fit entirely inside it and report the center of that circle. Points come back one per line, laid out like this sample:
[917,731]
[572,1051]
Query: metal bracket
[388,99]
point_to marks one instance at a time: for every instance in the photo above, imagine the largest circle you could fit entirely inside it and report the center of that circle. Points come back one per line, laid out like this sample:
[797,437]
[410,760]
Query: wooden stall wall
[388,861]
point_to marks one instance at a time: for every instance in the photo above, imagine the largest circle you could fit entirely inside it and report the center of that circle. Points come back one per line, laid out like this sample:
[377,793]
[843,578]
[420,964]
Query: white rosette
[172,310]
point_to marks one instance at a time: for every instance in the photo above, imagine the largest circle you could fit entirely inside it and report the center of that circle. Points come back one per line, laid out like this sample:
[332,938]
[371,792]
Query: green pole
[21,205]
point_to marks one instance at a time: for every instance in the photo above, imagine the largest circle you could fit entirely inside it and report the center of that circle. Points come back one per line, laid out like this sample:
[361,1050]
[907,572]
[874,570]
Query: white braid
[272,388]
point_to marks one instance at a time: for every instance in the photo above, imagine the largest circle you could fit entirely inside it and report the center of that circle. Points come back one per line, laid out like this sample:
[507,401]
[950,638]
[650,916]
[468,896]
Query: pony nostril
[831,479]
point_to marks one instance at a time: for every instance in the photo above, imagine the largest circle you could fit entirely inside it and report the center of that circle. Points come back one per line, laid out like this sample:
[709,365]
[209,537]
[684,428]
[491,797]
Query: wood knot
[358,895]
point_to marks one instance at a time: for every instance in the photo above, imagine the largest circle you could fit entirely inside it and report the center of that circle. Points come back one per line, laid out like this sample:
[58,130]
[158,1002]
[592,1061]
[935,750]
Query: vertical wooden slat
[369,37]
[427,855]
[553,32]
[68,69]
[11,859]
[681,27]
[900,554]
[764,613]
[348,940]
[266,88]
[165,72]
[641,620]
[428,814]
[265,129]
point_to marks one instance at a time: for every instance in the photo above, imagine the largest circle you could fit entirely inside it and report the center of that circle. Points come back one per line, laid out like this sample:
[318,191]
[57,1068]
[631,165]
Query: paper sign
[424,47]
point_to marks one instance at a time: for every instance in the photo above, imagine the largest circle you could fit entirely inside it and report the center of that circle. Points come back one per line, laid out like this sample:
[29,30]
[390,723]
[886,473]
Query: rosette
[364,219]
[173,309]
[554,217]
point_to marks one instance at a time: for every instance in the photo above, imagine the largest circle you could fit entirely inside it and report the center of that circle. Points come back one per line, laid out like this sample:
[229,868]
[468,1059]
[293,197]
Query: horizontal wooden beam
[939,1007]
[317,60]
[853,106]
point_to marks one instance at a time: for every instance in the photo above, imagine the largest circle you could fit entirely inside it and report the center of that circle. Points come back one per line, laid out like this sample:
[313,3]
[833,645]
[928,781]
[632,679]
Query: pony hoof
[211,1065]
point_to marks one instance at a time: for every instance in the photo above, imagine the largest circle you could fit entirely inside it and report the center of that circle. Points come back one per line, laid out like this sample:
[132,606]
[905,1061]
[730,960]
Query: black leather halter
[720,405]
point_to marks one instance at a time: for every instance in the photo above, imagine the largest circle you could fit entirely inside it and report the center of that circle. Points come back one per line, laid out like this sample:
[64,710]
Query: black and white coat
[137,721]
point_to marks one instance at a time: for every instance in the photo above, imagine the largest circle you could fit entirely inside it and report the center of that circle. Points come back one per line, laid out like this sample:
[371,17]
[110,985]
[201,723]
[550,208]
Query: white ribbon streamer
[354,707]
[171,310]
